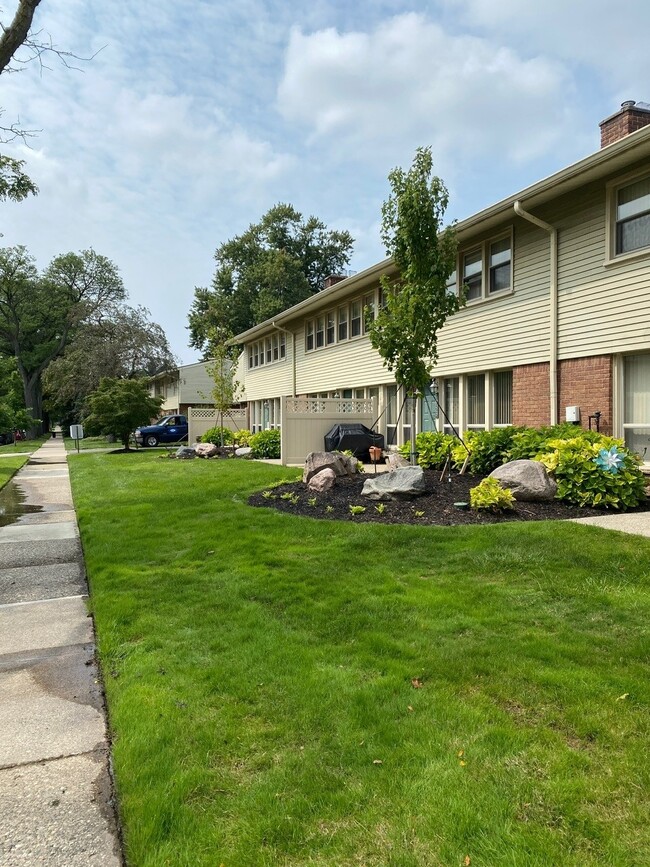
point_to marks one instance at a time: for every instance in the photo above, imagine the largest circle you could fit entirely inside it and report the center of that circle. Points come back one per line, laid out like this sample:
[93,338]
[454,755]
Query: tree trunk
[33,402]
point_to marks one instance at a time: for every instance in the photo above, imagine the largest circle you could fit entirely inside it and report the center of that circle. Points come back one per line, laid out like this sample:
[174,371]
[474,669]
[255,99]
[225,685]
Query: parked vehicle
[170,429]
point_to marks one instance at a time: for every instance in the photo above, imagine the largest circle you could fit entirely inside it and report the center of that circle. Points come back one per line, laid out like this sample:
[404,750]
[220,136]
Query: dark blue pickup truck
[170,429]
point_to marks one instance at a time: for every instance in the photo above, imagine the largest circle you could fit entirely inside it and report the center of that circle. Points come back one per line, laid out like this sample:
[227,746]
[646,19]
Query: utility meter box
[573,414]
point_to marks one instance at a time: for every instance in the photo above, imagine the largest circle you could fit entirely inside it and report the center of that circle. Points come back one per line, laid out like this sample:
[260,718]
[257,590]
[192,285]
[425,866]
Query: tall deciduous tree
[405,332]
[39,314]
[14,183]
[276,263]
[119,406]
[122,344]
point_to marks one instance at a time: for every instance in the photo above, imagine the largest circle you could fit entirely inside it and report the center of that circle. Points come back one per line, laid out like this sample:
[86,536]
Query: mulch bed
[435,507]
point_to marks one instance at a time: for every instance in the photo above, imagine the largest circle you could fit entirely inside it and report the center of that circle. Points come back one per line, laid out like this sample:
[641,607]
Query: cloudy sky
[194,117]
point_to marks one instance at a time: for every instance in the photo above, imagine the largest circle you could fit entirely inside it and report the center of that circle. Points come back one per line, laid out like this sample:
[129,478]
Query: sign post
[77,433]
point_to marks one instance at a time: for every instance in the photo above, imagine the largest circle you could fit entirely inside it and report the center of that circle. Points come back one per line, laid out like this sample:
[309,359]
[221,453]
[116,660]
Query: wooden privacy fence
[306,420]
[201,419]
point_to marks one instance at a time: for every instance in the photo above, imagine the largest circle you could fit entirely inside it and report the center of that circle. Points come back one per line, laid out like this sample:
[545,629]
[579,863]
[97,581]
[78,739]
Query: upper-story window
[339,324]
[486,270]
[633,217]
[343,323]
[268,350]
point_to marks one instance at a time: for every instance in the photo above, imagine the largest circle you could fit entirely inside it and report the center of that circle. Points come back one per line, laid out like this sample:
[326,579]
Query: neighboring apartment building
[557,283]
[189,385]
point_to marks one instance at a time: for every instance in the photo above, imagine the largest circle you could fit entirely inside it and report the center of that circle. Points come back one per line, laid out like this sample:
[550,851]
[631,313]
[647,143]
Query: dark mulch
[434,507]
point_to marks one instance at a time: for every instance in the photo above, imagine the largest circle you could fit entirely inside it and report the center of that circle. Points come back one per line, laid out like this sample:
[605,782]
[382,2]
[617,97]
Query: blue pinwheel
[610,460]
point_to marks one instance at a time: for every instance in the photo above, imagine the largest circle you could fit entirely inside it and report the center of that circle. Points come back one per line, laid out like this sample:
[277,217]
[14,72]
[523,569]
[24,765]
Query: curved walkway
[55,787]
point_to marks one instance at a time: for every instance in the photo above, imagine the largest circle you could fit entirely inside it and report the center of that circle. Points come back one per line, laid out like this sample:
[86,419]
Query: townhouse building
[556,322]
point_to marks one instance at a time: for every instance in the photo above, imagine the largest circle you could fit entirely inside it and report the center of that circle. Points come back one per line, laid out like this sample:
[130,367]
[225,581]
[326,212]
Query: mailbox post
[77,433]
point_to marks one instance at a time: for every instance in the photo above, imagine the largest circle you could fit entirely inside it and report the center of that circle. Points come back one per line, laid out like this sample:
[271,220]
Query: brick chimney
[333,279]
[629,118]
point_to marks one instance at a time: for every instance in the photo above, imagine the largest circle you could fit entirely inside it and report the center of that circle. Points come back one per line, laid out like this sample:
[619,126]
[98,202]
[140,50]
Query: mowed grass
[9,466]
[284,691]
[22,446]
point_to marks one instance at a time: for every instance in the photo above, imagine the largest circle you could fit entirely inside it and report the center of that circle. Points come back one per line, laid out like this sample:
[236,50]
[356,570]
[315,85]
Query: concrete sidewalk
[55,788]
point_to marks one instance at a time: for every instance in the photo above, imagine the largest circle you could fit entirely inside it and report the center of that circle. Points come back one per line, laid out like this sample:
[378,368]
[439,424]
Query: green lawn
[9,466]
[22,446]
[284,691]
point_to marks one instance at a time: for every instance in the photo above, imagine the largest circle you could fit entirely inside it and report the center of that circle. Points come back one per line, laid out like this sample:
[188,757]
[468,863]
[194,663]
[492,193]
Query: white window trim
[347,304]
[484,247]
[612,187]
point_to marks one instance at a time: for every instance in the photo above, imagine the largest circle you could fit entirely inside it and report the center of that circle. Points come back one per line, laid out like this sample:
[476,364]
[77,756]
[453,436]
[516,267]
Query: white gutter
[552,231]
[293,353]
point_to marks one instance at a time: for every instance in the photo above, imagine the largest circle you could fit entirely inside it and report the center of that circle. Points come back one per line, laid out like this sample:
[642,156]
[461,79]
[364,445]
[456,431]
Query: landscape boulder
[317,461]
[322,481]
[185,453]
[394,461]
[243,452]
[206,450]
[528,480]
[404,483]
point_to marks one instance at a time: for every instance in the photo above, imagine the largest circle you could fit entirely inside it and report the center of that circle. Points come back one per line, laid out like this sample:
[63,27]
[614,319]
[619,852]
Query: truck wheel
[151,440]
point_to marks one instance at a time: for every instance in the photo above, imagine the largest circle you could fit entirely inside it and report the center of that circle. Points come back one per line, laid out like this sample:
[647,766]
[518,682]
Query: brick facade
[587,383]
[530,395]
[583,382]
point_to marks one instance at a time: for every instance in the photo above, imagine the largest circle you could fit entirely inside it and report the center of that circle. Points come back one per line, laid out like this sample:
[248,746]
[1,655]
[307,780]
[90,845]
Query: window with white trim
[633,217]
[486,270]
[636,404]
[268,350]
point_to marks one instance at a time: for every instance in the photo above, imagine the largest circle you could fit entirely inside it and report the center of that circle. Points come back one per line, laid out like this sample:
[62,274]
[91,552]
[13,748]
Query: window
[331,328]
[283,345]
[392,415]
[355,319]
[452,283]
[500,259]
[276,348]
[269,350]
[451,404]
[636,404]
[309,336]
[343,323]
[476,401]
[473,274]
[633,217]
[502,397]
[368,311]
[320,332]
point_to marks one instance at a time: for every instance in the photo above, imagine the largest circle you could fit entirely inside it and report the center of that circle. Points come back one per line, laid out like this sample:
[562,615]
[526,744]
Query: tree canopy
[405,332]
[273,265]
[40,313]
[118,406]
[122,344]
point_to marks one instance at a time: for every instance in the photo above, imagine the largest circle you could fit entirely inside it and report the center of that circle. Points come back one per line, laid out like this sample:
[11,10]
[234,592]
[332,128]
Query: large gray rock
[322,481]
[528,481]
[394,461]
[317,461]
[243,452]
[404,483]
[185,453]
[206,450]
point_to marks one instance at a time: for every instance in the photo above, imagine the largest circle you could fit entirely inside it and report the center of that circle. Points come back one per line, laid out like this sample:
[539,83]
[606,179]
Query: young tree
[222,370]
[39,314]
[276,263]
[119,406]
[405,331]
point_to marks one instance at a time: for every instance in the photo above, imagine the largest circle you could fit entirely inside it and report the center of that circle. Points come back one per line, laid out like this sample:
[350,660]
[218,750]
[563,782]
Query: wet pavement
[55,788]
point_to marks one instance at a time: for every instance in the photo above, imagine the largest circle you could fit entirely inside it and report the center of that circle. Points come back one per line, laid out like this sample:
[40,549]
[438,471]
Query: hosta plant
[490,495]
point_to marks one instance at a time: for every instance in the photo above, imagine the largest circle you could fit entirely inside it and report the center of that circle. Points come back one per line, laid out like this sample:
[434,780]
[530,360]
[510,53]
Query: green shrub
[489,449]
[528,442]
[432,449]
[265,444]
[490,495]
[242,437]
[214,436]
[577,465]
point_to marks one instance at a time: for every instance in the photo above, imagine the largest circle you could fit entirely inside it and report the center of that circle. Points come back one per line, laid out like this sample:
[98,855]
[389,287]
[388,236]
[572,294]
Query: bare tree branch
[17,32]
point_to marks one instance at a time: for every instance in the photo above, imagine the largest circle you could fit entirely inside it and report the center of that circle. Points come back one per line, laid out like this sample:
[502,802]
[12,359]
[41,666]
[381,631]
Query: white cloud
[410,82]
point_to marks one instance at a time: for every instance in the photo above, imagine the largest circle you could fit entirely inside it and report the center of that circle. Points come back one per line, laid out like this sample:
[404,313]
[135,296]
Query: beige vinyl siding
[350,364]
[269,380]
[506,330]
[601,308]
[196,384]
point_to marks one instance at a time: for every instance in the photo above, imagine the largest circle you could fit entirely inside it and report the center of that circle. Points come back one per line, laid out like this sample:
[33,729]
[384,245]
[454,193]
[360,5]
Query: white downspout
[553,293]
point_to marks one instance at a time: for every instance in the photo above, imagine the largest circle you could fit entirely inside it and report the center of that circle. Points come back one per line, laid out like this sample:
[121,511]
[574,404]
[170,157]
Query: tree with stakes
[417,303]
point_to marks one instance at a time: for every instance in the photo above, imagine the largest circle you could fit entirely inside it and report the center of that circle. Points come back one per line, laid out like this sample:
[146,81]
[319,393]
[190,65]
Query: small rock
[394,461]
[185,453]
[404,483]
[528,481]
[243,452]
[317,461]
[206,450]
[322,481]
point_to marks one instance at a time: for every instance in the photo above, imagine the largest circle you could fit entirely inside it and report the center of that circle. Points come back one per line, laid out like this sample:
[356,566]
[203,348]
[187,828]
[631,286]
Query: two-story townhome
[188,385]
[556,322]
